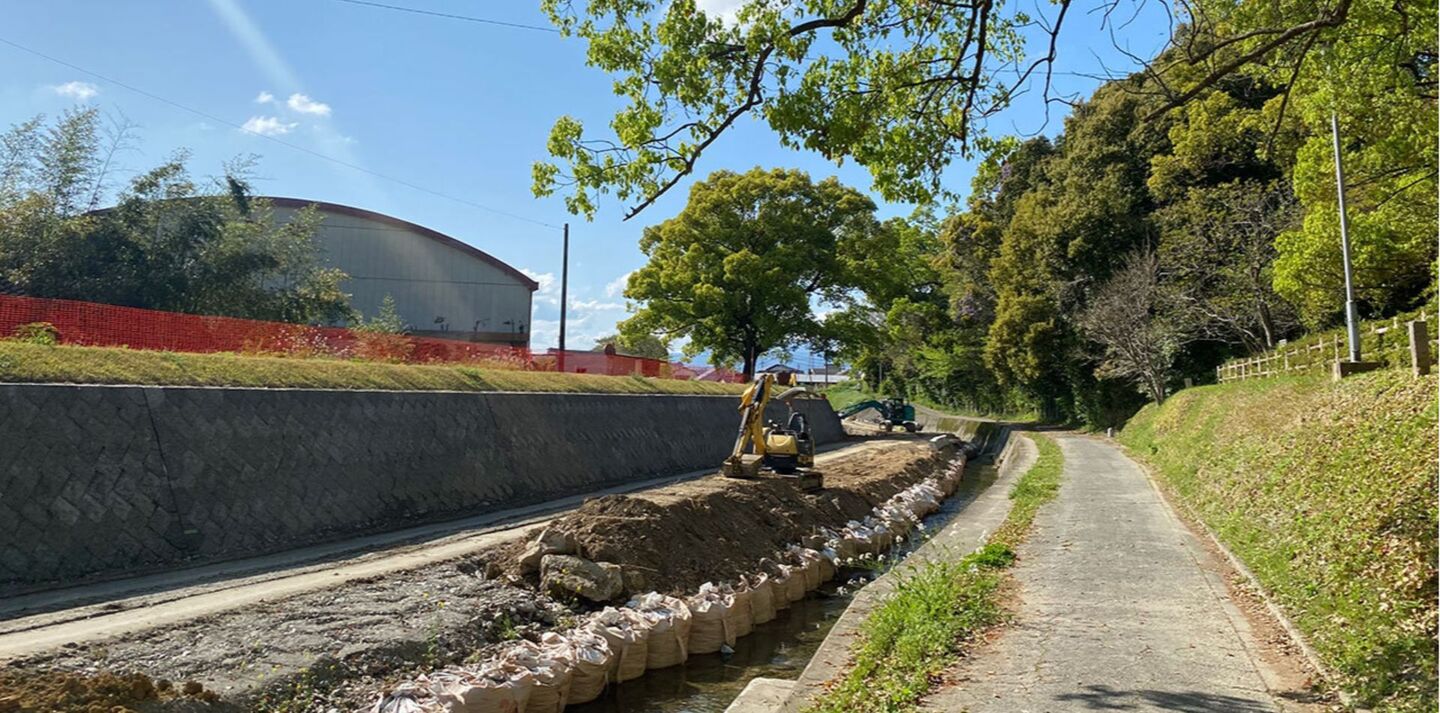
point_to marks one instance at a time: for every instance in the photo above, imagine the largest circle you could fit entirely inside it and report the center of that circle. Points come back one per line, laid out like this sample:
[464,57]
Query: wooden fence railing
[1385,342]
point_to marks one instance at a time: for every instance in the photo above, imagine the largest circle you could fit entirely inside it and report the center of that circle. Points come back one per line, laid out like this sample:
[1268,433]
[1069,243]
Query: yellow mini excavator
[783,448]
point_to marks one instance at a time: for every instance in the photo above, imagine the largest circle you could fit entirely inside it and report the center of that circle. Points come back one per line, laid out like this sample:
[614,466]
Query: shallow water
[708,683]
[781,648]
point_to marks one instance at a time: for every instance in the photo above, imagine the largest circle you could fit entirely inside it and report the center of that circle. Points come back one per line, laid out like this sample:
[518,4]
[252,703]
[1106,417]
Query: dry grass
[1328,493]
[35,363]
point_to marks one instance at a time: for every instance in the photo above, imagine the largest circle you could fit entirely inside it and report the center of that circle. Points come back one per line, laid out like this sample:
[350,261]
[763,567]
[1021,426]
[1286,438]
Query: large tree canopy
[737,270]
[168,243]
[905,86]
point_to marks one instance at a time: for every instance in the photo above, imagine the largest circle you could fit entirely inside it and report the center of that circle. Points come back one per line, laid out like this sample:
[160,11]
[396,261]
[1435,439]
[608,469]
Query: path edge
[1187,515]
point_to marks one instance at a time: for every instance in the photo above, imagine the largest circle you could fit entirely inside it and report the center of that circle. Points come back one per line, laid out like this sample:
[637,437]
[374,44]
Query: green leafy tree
[386,320]
[642,345]
[903,86]
[167,243]
[737,270]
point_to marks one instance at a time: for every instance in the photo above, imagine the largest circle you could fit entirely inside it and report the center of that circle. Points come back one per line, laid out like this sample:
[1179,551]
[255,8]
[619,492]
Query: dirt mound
[61,692]
[678,537]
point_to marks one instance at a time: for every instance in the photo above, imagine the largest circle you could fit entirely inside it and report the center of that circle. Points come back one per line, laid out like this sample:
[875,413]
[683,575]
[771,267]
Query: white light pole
[1352,323]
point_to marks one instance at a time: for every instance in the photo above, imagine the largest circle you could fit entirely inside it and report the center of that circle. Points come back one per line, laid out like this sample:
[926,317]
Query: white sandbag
[809,563]
[794,583]
[827,564]
[628,634]
[591,670]
[783,584]
[762,598]
[742,612]
[550,666]
[712,623]
[669,629]
[497,687]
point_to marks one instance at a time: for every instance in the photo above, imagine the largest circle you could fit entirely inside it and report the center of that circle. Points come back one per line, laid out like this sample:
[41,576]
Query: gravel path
[1121,608]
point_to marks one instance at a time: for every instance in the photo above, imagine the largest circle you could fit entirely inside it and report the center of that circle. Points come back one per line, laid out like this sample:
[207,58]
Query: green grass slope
[35,363]
[1328,493]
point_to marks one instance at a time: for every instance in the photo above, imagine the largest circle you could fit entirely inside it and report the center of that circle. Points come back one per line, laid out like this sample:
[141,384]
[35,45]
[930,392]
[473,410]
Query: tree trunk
[750,358]
[1267,324]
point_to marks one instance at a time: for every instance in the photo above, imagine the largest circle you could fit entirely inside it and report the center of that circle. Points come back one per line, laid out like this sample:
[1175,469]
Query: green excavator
[894,413]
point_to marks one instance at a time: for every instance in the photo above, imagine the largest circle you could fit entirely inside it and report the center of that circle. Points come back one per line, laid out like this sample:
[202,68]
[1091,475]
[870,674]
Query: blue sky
[456,107]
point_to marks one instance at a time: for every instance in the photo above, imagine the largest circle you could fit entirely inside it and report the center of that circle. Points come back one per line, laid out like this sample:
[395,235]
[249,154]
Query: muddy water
[777,649]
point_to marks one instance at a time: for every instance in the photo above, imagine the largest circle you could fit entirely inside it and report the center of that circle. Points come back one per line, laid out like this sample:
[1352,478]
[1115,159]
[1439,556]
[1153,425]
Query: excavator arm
[855,408]
[748,454]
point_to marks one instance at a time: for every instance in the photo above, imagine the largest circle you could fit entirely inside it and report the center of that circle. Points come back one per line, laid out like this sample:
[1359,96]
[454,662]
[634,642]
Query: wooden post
[1419,348]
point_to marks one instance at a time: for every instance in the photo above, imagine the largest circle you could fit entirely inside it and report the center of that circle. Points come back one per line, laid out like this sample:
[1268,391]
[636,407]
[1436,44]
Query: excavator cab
[788,446]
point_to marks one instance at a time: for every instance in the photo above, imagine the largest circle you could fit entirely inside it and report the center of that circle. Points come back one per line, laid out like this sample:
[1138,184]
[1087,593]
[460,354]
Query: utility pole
[564,292]
[1352,323]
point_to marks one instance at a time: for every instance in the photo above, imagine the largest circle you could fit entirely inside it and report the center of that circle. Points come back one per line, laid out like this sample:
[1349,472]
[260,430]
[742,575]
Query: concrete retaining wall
[105,480]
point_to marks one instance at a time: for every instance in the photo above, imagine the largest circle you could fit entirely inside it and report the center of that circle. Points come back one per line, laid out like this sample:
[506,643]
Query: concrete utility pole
[1352,323]
[565,288]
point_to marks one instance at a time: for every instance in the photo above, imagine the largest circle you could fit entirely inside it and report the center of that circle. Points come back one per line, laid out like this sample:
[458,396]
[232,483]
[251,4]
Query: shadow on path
[1101,697]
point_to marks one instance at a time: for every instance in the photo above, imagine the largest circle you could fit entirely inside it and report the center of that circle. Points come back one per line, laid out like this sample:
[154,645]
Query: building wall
[104,481]
[427,278]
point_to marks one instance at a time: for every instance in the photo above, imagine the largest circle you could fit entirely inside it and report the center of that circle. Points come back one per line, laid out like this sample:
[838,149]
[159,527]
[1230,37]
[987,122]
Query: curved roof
[430,233]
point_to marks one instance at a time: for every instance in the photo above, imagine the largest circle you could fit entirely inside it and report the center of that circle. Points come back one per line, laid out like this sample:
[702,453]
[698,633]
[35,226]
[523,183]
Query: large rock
[568,575]
[550,542]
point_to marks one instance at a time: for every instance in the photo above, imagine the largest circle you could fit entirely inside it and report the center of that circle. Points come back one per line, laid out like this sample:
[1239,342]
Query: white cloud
[268,126]
[306,105]
[549,291]
[726,10]
[594,305]
[616,287]
[79,91]
[265,98]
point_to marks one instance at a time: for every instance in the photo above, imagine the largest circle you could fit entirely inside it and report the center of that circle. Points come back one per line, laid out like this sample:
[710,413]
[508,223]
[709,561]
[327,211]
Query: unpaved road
[128,607]
[1120,607]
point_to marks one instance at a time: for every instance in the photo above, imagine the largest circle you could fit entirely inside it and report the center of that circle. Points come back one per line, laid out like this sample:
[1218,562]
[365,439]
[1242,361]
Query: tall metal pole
[564,292]
[1352,323]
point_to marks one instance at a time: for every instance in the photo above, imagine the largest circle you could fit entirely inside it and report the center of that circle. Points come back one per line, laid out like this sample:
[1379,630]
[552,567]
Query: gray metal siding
[427,278]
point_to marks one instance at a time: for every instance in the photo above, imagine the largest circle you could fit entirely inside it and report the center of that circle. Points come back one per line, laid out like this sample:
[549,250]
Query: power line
[282,142]
[451,16]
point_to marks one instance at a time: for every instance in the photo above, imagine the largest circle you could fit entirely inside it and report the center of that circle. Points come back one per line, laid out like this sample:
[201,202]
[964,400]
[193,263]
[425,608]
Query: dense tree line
[169,242]
[1139,248]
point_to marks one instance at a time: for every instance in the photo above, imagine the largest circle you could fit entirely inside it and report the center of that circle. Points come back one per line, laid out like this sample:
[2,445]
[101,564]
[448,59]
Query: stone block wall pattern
[102,481]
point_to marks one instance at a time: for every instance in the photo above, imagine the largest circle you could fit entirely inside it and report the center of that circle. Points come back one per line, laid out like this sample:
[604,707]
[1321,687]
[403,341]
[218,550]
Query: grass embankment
[851,392]
[1327,492]
[22,362]
[920,630]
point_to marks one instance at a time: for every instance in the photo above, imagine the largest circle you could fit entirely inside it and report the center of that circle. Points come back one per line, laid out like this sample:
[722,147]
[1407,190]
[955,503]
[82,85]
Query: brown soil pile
[713,529]
[59,692]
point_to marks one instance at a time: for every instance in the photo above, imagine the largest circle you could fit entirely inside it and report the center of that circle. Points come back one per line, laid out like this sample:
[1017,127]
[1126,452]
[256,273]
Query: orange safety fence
[95,324]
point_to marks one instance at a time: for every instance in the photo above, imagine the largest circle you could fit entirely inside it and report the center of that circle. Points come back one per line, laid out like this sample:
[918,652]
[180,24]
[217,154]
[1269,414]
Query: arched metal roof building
[441,286]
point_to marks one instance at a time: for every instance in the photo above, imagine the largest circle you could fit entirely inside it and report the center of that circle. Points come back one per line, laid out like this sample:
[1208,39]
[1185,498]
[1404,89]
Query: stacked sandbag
[627,632]
[762,597]
[495,687]
[792,582]
[550,667]
[669,620]
[591,656]
[808,562]
[409,697]
[828,558]
[712,619]
[743,610]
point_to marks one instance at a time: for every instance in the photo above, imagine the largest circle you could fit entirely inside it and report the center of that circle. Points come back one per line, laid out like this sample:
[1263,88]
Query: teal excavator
[894,413]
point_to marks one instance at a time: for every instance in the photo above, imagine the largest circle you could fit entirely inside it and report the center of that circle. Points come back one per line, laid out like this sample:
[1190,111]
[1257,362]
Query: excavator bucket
[745,466]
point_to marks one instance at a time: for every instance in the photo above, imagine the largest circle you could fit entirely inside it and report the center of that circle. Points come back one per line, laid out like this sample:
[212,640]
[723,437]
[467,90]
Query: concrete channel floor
[1120,608]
